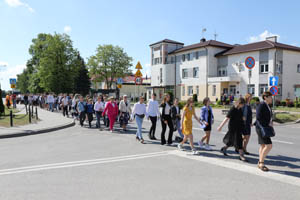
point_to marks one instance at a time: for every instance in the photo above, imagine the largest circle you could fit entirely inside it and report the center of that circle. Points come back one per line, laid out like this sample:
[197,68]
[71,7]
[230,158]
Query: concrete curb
[36,132]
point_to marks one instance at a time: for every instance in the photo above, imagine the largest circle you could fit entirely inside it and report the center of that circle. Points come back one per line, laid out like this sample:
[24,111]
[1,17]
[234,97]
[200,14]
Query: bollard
[11,118]
[36,113]
[32,110]
[29,115]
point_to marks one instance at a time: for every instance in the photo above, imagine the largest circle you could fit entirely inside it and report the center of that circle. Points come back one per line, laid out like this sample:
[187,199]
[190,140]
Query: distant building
[212,68]
[128,87]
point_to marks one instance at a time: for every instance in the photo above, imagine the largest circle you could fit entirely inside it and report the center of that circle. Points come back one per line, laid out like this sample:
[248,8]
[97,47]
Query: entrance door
[225,90]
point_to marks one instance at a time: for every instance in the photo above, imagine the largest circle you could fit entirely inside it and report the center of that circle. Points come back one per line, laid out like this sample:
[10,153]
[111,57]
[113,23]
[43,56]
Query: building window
[279,67]
[166,60]
[160,75]
[183,90]
[232,89]
[183,57]
[222,71]
[188,57]
[184,73]
[264,68]
[196,55]
[197,90]
[251,89]
[263,88]
[298,68]
[196,72]
[190,90]
[214,90]
[172,59]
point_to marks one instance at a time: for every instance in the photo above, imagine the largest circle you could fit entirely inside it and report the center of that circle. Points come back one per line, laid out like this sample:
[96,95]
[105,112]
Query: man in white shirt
[50,100]
[99,107]
[153,113]
[65,103]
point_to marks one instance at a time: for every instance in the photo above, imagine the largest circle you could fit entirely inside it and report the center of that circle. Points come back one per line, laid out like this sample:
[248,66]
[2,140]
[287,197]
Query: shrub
[219,102]
[283,103]
[290,103]
[195,97]
[181,104]
[277,103]
[255,99]
[297,104]
[227,102]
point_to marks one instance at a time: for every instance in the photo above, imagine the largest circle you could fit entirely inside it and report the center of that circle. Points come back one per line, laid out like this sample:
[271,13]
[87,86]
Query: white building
[211,68]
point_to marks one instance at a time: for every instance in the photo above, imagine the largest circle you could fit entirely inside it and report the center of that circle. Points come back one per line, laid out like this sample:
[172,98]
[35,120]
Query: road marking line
[80,163]
[284,142]
[241,167]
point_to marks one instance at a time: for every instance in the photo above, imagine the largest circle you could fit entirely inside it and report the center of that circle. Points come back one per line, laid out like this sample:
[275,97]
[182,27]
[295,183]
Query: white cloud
[67,29]
[262,36]
[17,3]
[9,72]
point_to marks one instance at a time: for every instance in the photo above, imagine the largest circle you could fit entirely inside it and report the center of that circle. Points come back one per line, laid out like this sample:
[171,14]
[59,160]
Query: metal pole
[29,114]
[11,118]
[274,68]
[32,109]
[36,113]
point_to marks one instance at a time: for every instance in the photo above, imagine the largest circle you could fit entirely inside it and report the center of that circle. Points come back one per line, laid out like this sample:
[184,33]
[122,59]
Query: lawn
[286,117]
[291,109]
[18,119]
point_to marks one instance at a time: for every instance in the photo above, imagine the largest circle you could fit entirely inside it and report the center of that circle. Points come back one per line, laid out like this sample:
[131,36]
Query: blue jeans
[139,122]
[98,116]
[51,106]
[178,124]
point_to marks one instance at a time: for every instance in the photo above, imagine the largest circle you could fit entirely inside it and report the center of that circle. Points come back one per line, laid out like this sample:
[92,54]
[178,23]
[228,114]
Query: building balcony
[229,78]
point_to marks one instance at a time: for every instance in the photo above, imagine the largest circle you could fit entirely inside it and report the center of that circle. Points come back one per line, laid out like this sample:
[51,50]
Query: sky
[135,24]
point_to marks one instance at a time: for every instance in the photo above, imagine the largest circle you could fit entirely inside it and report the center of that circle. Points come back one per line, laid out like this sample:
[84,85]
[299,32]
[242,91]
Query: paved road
[81,163]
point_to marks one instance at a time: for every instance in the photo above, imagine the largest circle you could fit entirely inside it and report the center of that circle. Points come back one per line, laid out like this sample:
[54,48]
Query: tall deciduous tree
[109,63]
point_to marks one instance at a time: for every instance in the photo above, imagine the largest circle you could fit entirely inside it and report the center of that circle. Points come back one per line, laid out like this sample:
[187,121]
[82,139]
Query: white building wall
[290,76]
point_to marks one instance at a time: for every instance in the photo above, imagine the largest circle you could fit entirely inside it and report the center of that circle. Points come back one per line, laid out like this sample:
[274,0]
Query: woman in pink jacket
[111,109]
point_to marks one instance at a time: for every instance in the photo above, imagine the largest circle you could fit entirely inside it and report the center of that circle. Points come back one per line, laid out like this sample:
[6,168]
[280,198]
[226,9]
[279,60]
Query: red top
[111,109]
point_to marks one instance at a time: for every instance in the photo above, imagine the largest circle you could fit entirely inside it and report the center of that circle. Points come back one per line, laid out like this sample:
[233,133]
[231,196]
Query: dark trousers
[65,111]
[90,118]
[81,118]
[98,116]
[106,121]
[153,126]
[164,128]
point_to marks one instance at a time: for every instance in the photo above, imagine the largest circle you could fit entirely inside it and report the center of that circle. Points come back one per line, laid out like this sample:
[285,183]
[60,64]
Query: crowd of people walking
[171,116]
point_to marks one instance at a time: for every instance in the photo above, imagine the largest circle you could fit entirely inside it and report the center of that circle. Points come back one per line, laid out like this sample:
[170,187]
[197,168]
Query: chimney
[202,40]
[272,38]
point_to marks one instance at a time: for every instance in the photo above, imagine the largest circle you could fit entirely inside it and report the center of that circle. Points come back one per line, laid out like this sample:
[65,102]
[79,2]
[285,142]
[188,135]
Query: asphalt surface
[82,163]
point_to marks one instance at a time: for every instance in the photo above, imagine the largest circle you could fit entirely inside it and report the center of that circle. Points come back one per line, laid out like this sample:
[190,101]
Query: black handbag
[265,131]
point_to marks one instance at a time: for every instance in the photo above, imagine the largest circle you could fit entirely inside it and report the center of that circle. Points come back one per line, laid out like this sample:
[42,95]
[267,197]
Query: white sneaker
[201,145]
[180,147]
[194,152]
[207,147]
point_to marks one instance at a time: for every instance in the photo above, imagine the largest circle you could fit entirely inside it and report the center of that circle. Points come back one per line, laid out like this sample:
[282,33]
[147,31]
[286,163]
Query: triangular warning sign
[138,65]
[138,73]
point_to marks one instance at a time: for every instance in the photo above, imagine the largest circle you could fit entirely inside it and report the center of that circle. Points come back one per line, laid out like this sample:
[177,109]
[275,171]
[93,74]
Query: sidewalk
[49,121]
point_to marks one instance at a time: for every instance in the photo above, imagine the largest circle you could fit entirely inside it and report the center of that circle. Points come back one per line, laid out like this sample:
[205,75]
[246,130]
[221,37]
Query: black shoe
[236,150]
[137,138]
[150,137]
[223,150]
[163,143]
[246,152]
[154,138]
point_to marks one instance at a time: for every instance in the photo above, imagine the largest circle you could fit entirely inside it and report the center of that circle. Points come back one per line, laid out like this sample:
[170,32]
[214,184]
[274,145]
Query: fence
[30,113]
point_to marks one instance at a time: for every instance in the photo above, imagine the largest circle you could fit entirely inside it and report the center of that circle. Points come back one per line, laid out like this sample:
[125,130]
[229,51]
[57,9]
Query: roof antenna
[215,35]
[203,30]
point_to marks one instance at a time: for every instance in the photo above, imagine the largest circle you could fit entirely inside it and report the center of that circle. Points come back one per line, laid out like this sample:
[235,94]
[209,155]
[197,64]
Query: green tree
[53,67]
[82,81]
[109,63]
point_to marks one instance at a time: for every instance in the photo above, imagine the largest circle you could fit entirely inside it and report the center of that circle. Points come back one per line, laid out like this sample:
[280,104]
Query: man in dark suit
[175,113]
